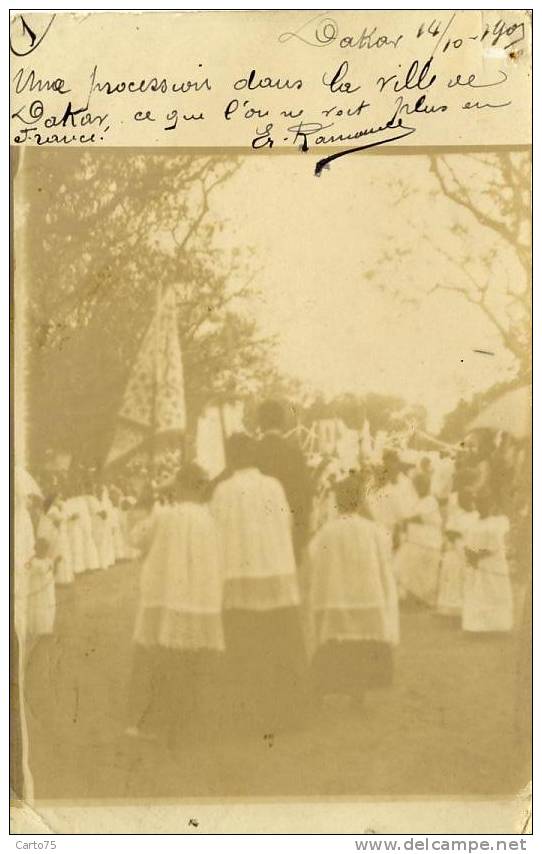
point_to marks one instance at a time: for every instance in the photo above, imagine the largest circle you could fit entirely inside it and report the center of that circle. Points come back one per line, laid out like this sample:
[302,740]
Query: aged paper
[272,447]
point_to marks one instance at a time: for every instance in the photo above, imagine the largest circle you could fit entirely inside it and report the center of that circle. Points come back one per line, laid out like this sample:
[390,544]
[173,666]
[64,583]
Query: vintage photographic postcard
[271,291]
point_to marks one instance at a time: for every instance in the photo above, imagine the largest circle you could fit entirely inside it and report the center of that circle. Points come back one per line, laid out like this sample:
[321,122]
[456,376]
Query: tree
[106,230]
[480,246]
[456,423]
[383,412]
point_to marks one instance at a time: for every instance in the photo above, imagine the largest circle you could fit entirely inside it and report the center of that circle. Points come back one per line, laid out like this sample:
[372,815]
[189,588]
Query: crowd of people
[280,581]
[446,532]
[68,524]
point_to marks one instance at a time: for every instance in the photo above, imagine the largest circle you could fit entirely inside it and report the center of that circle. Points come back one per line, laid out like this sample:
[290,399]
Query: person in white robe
[119,543]
[426,466]
[24,488]
[180,603]
[417,561]
[82,546]
[178,631]
[101,532]
[41,602]
[393,496]
[23,547]
[461,514]
[128,514]
[91,558]
[53,528]
[488,604]
[108,532]
[76,536]
[262,620]
[353,601]
[442,479]
[324,507]
[391,500]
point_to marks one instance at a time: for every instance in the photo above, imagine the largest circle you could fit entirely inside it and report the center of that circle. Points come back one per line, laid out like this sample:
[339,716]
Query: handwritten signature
[391,125]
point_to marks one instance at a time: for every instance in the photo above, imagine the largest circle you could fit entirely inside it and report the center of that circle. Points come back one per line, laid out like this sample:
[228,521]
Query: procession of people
[280,581]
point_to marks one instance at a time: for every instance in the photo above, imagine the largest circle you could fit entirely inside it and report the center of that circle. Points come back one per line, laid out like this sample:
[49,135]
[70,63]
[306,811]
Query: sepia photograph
[272,482]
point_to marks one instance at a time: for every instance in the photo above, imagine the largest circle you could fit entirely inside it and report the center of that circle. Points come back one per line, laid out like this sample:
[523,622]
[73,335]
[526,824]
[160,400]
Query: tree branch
[456,194]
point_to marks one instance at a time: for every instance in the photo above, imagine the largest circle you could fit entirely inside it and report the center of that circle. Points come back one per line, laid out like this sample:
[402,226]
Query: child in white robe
[460,516]
[76,537]
[393,503]
[101,531]
[324,507]
[23,550]
[91,557]
[64,572]
[109,522]
[488,602]
[417,560]
[41,601]
[119,542]
[353,601]
[127,505]
[178,630]
[128,514]
[443,477]
[52,527]
[83,547]
[392,499]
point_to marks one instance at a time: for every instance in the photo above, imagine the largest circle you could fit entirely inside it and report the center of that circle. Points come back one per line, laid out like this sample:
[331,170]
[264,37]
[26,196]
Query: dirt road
[446,727]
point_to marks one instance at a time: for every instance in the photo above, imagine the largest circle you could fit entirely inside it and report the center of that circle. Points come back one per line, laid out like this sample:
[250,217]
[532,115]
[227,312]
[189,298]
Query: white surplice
[488,602]
[453,567]
[417,561]
[254,525]
[180,604]
[352,590]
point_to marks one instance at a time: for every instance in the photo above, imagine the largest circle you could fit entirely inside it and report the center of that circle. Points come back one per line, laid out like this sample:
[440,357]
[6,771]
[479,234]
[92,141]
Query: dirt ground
[446,727]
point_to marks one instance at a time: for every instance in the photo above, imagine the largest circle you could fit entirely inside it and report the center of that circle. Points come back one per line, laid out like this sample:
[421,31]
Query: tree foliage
[382,411]
[479,243]
[456,423]
[107,229]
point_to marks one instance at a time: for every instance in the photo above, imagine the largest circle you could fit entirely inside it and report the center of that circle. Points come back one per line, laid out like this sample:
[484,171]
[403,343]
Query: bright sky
[314,238]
